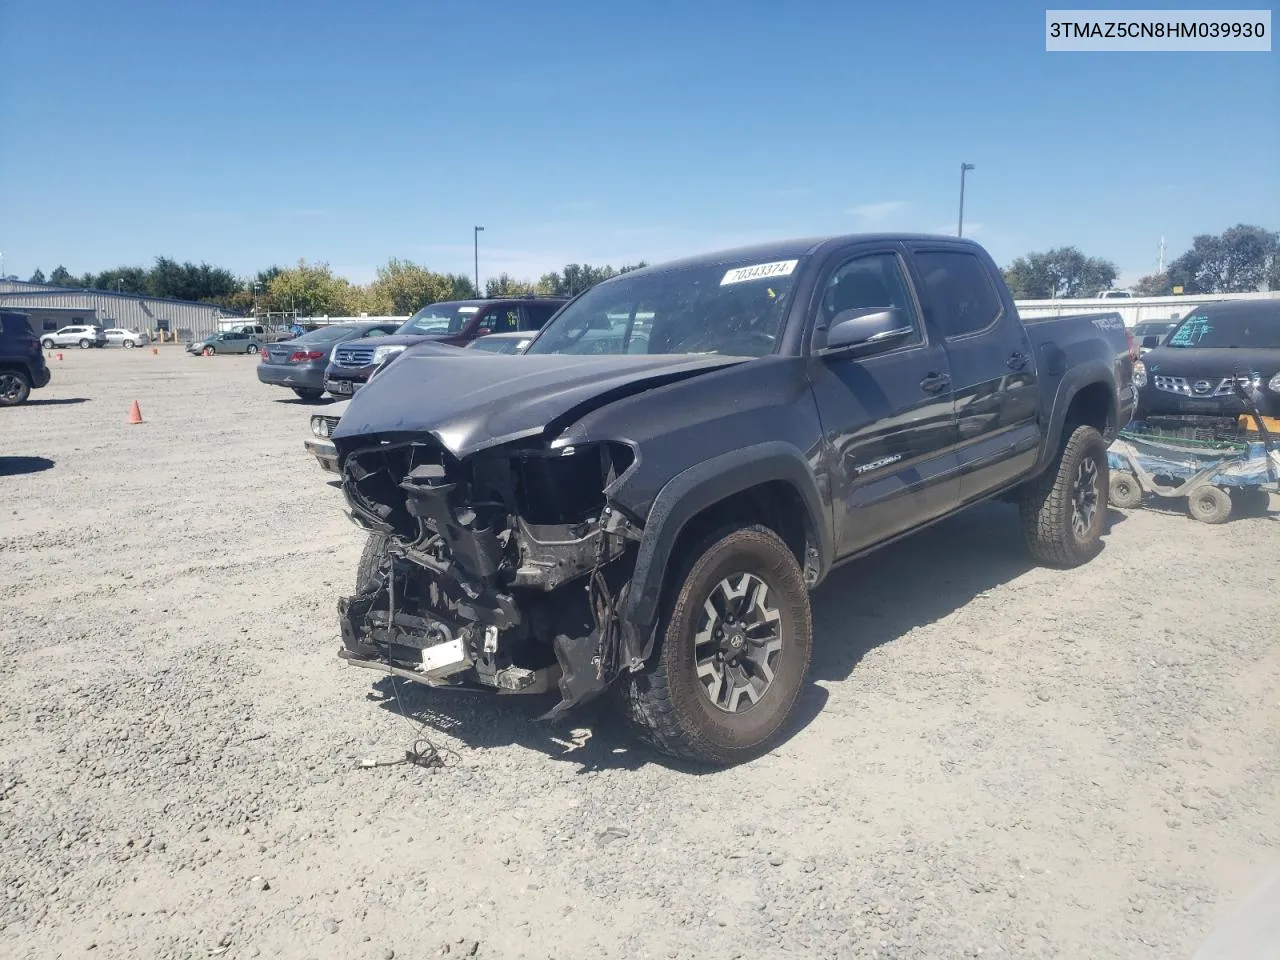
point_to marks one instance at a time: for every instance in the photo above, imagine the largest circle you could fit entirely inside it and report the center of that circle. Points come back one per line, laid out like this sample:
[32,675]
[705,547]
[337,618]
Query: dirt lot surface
[991,759]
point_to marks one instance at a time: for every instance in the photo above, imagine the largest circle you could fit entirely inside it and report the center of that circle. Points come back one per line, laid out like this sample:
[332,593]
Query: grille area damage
[502,570]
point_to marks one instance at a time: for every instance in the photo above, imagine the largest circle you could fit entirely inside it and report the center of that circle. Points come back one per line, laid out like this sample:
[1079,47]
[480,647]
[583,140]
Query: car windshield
[1239,328]
[733,309]
[440,318]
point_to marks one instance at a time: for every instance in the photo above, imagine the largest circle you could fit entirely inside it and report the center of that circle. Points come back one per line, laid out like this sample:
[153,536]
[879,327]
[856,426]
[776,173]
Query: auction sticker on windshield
[779,268]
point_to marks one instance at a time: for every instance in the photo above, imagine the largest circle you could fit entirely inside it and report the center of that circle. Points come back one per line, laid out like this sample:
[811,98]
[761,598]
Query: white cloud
[874,213]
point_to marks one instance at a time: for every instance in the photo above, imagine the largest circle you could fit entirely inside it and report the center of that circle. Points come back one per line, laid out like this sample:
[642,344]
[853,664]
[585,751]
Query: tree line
[313,289]
[1239,260]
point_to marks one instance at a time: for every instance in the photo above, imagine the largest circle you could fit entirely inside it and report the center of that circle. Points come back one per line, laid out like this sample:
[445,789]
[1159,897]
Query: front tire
[47,343]
[14,388]
[733,650]
[207,352]
[1063,511]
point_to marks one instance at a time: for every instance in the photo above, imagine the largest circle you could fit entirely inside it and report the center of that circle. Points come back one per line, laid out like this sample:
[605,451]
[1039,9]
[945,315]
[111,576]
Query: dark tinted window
[500,319]
[539,314]
[958,294]
[872,282]
[14,325]
[1230,325]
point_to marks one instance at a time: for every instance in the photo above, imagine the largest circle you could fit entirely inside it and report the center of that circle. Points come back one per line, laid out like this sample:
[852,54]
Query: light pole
[960,225]
[476,237]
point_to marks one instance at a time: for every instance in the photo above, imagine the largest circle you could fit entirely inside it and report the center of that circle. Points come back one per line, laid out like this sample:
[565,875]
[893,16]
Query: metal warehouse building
[50,307]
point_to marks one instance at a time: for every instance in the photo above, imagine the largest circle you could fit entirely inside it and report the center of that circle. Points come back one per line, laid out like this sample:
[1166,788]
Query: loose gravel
[991,759]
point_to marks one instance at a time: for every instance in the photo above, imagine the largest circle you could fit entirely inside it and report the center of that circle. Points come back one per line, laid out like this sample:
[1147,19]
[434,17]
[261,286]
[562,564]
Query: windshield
[732,309]
[440,318]
[1239,328]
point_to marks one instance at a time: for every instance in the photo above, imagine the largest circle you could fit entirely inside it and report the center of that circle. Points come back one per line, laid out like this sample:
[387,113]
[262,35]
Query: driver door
[887,410]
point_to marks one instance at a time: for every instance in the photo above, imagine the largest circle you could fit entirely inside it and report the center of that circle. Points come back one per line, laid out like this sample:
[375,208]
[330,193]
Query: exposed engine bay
[503,570]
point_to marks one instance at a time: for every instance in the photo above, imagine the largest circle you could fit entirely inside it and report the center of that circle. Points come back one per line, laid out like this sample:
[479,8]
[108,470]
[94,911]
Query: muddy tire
[1124,491]
[375,551]
[1209,504]
[1063,511]
[734,646]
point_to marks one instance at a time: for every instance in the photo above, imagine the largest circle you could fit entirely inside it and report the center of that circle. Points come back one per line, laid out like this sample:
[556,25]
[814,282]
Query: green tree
[505,285]
[403,287]
[124,280]
[312,290]
[1240,260]
[461,287]
[1064,272]
[190,281]
[37,277]
[1154,285]
[61,276]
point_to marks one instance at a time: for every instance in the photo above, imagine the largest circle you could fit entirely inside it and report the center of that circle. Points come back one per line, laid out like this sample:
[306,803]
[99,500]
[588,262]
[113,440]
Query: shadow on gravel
[300,402]
[51,402]
[16,466]
[861,606]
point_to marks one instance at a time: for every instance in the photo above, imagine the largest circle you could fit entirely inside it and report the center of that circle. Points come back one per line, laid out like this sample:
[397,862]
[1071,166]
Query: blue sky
[246,134]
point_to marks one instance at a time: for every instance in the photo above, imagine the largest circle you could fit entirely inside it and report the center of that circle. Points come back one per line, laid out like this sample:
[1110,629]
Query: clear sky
[250,133]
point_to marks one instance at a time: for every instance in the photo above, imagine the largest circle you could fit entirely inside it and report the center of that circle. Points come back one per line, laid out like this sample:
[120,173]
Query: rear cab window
[959,296]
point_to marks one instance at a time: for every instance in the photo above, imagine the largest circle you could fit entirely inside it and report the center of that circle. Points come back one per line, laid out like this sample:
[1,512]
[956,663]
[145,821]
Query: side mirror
[865,327]
[1151,342]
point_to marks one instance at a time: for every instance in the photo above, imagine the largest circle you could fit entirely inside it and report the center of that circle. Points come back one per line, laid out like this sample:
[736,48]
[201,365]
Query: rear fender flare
[1072,382]
[688,494]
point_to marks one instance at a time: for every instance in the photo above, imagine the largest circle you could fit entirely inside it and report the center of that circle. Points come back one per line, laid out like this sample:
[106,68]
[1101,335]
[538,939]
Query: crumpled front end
[502,570]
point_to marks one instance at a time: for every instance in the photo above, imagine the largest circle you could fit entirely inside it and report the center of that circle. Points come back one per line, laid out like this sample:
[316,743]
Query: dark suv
[22,366]
[454,322]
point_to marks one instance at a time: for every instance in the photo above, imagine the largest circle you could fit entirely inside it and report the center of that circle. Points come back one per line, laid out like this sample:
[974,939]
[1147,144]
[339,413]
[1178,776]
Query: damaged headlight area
[503,570]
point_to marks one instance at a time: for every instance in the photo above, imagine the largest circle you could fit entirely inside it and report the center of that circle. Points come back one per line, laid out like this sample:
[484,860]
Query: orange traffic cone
[155,351]
[135,413]
[59,356]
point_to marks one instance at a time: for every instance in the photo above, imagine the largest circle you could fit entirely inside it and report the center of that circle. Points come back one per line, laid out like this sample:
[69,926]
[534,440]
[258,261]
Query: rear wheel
[129,344]
[252,349]
[734,648]
[85,344]
[1125,491]
[1209,504]
[1064,509]
[309,395]
[14,388]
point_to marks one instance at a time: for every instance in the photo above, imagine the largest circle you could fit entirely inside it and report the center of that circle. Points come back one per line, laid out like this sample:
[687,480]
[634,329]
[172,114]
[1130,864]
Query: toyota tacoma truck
[640,504]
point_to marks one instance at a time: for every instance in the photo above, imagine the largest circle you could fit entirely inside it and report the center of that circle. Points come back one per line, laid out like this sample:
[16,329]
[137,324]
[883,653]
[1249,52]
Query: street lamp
[960,225]
[476,237]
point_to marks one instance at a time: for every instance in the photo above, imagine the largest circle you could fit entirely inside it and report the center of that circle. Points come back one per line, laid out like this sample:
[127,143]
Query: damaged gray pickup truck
[641,503]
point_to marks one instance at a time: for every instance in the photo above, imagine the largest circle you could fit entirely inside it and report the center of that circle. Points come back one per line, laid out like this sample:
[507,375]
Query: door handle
[1017,360]
[935,383]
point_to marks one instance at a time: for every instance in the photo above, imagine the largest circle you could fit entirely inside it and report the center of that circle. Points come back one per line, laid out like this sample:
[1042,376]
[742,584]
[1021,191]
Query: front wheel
[1063,510]
[14,388]
[207,352]
[47,343]
[734,649]
[85,344]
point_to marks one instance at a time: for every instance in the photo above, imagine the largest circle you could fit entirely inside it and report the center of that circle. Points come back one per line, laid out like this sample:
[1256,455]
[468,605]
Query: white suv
[117,336]
[82,337]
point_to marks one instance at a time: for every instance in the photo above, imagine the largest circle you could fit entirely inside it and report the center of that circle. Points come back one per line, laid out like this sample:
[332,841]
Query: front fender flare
[689,493]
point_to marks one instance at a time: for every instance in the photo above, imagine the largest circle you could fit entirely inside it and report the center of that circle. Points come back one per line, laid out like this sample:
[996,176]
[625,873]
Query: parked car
[1151,333]
[79,335]
[1116,295]
[228,341]
[120,337]
[322,426]
[454,323]
[512,341]
[263,333]
[299,364]
[1193,372]
[22,366]
[654,522]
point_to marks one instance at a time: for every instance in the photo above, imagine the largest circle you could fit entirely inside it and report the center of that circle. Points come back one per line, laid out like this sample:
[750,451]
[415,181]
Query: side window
[537,314]
[374,332]
[874,281]
[958,294]
[500,320]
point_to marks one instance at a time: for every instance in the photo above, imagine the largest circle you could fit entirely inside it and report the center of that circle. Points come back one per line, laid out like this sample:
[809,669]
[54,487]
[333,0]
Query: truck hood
[470,400]
[1212,364]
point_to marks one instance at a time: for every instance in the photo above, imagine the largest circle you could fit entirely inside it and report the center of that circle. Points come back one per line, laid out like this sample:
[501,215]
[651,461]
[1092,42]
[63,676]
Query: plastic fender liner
[691,492]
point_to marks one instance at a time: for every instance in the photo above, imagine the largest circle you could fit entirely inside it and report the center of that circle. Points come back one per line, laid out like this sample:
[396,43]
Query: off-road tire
[375,551]
[1209,504]
[1124,491]
[1045,506]
[311,396]
[667,705]
[15,386]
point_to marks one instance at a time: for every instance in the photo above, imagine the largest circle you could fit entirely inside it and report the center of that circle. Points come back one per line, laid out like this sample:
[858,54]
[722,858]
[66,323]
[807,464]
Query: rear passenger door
[993,371]
[886,411]
[499,320]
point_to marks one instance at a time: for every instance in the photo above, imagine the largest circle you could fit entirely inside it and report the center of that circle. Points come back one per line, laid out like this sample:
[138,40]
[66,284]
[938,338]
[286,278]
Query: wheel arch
[1084,397]
[768,483]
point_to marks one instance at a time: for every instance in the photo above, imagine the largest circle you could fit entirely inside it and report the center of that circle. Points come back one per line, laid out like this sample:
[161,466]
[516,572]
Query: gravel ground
[990,759]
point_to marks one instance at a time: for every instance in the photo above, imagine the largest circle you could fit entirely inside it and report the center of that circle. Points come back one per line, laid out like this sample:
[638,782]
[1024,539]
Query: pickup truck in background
[644,510]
